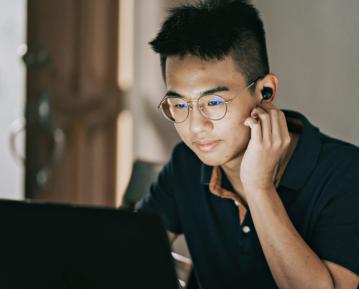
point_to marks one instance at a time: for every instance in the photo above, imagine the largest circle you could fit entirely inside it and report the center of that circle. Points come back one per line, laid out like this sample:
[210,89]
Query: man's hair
[213,30]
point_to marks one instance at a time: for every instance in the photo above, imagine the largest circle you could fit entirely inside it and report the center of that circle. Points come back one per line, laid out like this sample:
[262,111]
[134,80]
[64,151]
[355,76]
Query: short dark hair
[213,30]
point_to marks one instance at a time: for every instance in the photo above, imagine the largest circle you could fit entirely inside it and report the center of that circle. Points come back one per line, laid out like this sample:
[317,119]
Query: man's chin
[214,157]
[217,158]
[210,160]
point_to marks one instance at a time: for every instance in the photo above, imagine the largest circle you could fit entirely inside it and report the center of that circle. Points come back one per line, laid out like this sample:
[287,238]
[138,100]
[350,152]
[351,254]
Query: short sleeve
[161,199]
[336,235]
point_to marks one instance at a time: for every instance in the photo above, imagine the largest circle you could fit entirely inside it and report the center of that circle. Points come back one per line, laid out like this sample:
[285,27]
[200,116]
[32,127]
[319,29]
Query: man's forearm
[292,262]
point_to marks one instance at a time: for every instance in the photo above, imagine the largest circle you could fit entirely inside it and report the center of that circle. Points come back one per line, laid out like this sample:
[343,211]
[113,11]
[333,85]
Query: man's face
[215,142]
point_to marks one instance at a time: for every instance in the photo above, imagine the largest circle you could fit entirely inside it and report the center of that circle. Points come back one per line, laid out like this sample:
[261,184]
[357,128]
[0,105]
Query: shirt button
[246,229]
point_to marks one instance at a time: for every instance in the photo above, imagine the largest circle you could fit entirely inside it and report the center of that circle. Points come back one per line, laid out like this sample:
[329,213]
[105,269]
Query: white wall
[313,48]
[12,92]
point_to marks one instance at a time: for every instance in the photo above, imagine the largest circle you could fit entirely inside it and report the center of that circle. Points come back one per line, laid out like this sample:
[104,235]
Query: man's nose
[197,121]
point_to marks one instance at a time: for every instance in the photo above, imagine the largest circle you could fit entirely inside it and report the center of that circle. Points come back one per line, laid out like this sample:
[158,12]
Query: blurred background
[79,88]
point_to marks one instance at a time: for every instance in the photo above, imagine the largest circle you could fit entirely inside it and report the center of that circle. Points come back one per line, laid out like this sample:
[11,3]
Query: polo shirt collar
[302,162]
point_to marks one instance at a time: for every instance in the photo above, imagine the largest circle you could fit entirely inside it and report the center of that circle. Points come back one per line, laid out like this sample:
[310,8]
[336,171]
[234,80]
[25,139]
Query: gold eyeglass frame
[189,103]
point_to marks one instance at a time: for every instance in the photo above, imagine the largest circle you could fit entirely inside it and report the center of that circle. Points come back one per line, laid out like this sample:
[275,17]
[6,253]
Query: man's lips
[205,146]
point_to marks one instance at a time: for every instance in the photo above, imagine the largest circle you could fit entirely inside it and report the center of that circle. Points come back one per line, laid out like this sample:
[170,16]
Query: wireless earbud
[267,93]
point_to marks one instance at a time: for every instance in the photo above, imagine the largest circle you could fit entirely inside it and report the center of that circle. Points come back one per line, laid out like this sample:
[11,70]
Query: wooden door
[72,101]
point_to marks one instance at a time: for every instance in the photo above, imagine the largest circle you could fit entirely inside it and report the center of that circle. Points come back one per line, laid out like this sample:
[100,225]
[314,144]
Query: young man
[264,199]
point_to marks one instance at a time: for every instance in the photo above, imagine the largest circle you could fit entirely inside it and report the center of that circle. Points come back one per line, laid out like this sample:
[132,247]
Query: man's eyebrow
[215,90]
[172,93]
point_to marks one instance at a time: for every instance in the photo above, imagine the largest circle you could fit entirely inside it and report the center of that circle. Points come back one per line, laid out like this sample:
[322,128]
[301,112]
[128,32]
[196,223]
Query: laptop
[56,246]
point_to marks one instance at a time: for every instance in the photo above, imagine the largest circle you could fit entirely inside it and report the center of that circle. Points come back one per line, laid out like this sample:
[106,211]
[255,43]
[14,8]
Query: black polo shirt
[319,189]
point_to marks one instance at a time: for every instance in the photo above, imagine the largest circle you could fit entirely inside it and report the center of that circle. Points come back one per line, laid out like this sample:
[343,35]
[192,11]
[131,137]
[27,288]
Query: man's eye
[181,105]
[215,101]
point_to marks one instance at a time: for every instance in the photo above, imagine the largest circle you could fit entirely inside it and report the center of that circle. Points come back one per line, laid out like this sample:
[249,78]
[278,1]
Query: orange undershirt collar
[215,188]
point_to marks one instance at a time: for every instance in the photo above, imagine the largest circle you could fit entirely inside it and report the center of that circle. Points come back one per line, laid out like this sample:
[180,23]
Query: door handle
[16,128]
[58,136]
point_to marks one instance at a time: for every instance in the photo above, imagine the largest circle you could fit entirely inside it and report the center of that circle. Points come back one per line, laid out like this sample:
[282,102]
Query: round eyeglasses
[212,106]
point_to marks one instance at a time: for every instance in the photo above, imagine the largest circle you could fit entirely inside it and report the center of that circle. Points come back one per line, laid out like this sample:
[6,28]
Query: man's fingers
[276,126]
[284,128]
[256,131]
[265,123]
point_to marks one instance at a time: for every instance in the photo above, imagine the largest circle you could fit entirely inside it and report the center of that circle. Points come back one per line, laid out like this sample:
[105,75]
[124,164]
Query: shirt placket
[215,187]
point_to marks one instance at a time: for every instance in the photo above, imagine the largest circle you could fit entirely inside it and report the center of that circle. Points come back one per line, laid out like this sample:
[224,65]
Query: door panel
[72,101]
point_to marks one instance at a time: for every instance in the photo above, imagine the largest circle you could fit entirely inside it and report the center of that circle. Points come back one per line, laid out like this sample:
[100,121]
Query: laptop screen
[62,246]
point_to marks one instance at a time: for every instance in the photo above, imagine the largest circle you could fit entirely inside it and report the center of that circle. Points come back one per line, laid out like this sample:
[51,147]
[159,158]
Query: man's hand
[268,145]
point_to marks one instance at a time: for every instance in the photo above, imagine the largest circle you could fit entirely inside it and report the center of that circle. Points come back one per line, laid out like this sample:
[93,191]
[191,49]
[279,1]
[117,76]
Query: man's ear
[266,89]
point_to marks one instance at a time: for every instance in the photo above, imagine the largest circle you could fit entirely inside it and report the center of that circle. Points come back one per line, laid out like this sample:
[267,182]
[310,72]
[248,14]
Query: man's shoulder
[339,163]
[339,152]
